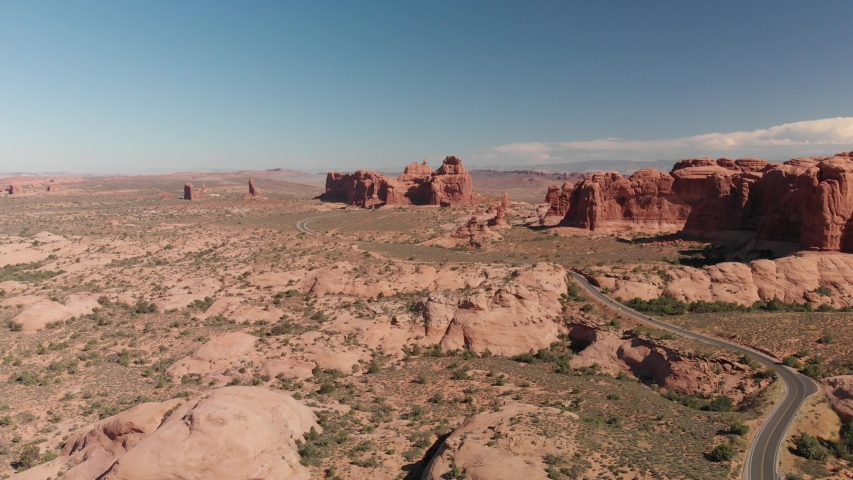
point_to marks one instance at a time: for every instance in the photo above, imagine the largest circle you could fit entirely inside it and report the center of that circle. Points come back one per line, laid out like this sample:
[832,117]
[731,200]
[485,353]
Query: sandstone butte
[450,185]
[804,201]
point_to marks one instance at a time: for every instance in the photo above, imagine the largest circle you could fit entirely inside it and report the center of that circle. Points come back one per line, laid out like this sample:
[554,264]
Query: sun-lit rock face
[234,432]
[506,316]
[807,201]
[794,279]
[450,185]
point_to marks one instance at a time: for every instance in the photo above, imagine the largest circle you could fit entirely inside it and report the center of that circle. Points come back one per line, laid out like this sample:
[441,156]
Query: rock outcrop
[38,312]
[839,390]
[92,450]
[450,185]
[807,201]
[253,190]
[499,221]
[14,190]
[215,356]
[493,446]
[668,368]
[506,316]
[233,432]
[793,279]
[474,233]
[189,191]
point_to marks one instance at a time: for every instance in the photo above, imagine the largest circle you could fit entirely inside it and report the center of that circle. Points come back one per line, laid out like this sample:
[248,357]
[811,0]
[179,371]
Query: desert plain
[269,333]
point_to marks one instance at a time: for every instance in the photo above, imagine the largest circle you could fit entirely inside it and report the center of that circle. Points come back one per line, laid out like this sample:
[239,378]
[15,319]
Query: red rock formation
[253,190]
[189,193]
[451,184]
[500,213]
[418,185]
[474,232]
[559,198]
[15,190]
[805,200]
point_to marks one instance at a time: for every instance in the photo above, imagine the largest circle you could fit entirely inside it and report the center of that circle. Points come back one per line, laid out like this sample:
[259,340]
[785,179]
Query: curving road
[763,455]
[762,458]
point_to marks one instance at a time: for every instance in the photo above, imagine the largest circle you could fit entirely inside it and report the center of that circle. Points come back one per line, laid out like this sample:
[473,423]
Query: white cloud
[811,137]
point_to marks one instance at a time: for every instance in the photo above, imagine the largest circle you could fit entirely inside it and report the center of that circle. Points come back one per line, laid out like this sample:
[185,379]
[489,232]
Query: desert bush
[722,453]
[792,361]
[30,457]
[823,290]
[720,404]
[738,428]
[811,448]
[144,306]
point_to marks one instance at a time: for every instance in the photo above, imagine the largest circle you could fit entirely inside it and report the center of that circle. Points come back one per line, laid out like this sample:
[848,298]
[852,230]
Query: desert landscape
[436,240]
[246,325]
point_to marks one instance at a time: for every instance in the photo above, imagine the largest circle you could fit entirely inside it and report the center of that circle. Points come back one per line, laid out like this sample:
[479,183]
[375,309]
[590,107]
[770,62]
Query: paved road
[763,455]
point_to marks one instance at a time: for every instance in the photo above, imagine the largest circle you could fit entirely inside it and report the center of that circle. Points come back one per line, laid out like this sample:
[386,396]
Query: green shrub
[792,361]
[720,404]
[811,448]
[738,428]
[144,306]
[413,454]
[823,290]
[29,458]
[722,453]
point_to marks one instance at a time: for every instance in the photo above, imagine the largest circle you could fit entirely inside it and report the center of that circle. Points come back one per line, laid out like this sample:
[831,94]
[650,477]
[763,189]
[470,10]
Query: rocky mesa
[450,185]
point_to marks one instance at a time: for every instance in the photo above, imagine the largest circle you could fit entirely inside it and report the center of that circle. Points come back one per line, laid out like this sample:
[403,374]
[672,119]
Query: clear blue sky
[151,85]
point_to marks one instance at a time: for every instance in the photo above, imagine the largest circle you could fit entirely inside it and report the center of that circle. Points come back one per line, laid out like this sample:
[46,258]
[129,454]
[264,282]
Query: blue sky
[167,86]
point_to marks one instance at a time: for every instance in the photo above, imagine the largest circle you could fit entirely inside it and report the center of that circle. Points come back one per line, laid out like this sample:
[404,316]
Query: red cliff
[805,200]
